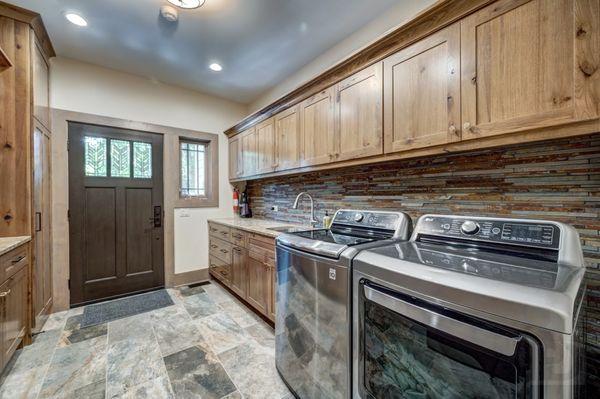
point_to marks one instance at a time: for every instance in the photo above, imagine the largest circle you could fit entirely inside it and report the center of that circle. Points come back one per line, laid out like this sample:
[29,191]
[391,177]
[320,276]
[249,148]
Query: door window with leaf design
[117,158]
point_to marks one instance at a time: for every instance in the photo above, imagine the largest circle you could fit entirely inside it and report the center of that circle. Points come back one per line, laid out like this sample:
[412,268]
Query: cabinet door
[42,266]
[258,279]
[529,64]
[287,139]
[265,143]
[359,115]
[249,152]
[235,157]
[41,102]
[317,145]
[239,279]
[13,294]
[422,93]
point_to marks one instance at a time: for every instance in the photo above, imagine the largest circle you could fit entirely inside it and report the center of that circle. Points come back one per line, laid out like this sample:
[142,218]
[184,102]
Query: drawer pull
[18,259]
[213,246]
[238,236]
[4,294]
[224,251]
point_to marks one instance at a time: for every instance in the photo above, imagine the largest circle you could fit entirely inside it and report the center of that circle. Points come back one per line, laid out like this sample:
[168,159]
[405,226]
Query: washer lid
[540,293]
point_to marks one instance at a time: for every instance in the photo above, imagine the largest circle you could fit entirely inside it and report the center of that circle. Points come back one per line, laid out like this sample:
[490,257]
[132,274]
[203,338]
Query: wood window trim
[211,199]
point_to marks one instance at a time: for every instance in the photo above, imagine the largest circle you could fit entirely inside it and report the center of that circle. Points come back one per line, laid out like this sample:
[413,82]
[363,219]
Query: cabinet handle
[38,221]
[17,259]
[238,236]
[467,126]
[213,246]
[4,294]
[224,251]
[452,129]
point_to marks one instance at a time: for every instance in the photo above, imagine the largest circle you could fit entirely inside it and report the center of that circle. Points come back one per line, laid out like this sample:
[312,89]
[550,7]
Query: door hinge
[68,144]
[69,283]
[68,214]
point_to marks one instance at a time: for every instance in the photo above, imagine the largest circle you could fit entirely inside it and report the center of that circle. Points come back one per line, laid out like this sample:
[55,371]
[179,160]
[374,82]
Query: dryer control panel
[501,231]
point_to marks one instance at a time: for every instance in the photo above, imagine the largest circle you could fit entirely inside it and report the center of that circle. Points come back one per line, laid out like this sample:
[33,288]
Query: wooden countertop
[9,243]
[258,226]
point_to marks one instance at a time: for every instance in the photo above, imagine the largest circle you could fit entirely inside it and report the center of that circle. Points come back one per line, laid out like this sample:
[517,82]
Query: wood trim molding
[34,20]
[60,182]
[196,276]
[430,20]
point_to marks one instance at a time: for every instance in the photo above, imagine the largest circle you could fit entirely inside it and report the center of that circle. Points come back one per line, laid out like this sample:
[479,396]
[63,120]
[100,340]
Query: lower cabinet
[258,281]
[245,263]
[239,271]
[13,301]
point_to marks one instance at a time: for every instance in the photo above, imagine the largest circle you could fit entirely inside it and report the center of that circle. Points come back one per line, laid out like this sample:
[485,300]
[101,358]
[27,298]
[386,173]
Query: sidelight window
[193,168]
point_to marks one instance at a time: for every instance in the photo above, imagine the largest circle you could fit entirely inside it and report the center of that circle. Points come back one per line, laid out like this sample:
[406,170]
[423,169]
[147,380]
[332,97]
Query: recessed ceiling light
[216,67]
[187,3]
[76,19]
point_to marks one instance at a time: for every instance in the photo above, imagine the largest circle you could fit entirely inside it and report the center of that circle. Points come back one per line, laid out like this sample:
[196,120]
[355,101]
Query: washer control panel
[368,219]
[503,231]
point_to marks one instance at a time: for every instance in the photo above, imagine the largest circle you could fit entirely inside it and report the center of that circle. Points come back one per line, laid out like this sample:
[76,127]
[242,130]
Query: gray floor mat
[119,308]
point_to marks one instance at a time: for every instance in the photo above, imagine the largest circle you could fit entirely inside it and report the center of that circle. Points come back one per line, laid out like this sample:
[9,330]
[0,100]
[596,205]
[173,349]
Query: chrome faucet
[313,221]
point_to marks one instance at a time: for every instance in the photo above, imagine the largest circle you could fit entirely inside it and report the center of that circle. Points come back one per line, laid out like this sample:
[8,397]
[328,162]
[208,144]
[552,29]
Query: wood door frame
[60,232]
[79,181]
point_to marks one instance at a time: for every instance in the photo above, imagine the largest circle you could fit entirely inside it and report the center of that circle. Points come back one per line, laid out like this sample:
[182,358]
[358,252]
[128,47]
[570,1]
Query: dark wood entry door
[115,212]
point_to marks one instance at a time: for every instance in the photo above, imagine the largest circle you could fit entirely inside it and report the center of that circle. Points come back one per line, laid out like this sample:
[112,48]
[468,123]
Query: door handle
[38,221]
[479,336]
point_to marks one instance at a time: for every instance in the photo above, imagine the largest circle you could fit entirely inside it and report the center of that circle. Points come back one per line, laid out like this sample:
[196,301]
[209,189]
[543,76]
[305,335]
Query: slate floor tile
[136,327]
[200,305]
[217,293]
[196,372]
[131,362]
[221,333]
[73,332]
[252,369]
[156,388]
[75,366]
[239,313]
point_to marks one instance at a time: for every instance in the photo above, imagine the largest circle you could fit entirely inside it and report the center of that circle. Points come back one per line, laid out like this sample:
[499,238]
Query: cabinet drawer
[219,231]
[220,249]
[261,244]
[12,262]
[238,237]
[220,270]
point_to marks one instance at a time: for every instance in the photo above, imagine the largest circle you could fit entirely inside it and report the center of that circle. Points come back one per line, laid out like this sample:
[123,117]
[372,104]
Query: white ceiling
[258,42]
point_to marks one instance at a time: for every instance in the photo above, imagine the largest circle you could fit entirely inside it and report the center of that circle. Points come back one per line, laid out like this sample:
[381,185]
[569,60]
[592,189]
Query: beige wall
[89,89]
[394,17]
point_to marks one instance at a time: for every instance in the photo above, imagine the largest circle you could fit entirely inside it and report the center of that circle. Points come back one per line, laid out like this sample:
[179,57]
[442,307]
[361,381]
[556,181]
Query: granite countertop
[258,226]
[10,243]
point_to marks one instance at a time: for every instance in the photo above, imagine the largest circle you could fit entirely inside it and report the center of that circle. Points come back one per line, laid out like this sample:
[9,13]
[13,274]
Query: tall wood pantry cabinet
[25,160]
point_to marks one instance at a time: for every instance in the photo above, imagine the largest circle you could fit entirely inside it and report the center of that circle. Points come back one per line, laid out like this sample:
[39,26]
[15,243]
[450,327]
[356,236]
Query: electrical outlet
[275,208]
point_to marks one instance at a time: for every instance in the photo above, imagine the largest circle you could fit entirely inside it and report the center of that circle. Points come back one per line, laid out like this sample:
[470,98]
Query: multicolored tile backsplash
[556,180]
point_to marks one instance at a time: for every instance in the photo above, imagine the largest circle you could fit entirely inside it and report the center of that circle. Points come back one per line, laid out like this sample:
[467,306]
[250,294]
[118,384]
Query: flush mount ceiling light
[75,19]
[215,67]
[187,4]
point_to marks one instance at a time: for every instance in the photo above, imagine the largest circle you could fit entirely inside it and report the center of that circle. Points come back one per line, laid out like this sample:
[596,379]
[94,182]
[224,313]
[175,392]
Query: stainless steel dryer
[470,308]
[312,325]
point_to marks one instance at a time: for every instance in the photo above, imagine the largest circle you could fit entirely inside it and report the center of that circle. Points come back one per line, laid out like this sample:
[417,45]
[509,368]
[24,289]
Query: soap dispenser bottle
[326,220]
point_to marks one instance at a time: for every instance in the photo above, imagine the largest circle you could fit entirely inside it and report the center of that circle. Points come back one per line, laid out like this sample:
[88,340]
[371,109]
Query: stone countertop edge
[7,244]
[258,226]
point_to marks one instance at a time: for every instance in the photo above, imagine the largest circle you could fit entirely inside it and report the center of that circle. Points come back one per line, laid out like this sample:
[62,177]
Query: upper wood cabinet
[265,144]
[235,157]
[317,138]
[529,64]
[422,93]
[287,139]
[41,94]
[359,115]
[249,152]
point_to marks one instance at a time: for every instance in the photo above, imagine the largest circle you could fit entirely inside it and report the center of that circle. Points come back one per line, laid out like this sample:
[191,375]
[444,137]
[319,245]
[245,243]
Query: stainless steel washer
[470,308]
[312,326]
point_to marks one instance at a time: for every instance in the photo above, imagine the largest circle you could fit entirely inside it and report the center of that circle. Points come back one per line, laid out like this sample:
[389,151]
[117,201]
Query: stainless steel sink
[288,229]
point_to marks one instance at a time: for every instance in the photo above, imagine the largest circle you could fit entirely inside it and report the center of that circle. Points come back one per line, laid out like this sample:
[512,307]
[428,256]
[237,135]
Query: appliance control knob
[358,217]
[469,227]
